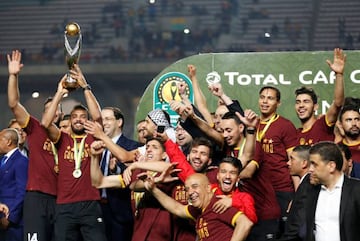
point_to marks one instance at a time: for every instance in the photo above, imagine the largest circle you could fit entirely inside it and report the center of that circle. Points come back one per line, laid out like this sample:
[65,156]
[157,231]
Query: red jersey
[355,151]
[276,136]
[71,189]
[211,226]
[41,174]
[241,200]
[321,130]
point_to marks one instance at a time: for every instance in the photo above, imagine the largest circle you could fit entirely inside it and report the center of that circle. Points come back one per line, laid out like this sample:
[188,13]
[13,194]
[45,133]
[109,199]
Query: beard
[305,119]
[78,131]
[352,134]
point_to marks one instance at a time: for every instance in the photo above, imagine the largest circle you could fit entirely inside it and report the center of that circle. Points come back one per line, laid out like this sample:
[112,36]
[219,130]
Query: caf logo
[167,89]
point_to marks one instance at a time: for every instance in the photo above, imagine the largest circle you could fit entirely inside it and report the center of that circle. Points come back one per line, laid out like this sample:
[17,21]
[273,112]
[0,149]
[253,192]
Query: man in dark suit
[13,178]
[299,165]
[332,208]
[116,203]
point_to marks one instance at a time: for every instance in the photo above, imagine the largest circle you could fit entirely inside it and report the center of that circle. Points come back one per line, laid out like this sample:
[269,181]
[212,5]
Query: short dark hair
[158,140]
[278,94]
[303,152]
[345,149]
[347,108]
[66,117]
[202,141]
[232,115]
[328,151]
[307,91]
[233,161]
[80,107]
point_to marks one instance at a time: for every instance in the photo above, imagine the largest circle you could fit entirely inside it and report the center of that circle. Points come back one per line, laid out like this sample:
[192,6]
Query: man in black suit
[299,165]
[116,203]
[332,208]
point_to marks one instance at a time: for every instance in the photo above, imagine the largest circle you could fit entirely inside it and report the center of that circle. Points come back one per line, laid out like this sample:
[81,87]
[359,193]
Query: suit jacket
[119,200]
[296,215]
[13,178]
[349,211]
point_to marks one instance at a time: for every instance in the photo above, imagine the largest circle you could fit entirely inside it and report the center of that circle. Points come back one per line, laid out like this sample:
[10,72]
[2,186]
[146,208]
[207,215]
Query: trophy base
[71,84]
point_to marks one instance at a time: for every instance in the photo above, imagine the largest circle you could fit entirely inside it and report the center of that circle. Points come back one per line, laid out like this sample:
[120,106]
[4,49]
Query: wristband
[87,87]
[251,131]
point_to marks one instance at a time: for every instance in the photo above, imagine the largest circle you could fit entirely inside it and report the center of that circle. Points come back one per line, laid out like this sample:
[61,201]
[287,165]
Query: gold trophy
[72,55]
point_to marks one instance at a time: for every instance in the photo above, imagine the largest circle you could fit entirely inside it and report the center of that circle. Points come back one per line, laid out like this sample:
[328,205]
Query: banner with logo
[242,75]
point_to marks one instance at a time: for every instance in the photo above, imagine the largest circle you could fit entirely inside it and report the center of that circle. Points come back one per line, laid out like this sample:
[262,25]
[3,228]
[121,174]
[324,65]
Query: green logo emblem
[166,90]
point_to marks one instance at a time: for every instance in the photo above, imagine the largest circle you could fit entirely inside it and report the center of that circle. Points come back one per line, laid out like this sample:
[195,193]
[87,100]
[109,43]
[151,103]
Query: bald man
[210,226]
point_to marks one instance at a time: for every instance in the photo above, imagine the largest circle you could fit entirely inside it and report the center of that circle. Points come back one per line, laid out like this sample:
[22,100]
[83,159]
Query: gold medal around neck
[56,169]
[77,173]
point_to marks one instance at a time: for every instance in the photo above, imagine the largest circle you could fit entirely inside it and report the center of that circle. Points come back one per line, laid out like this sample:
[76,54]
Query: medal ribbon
[260,134]
[78,152]
[55,153]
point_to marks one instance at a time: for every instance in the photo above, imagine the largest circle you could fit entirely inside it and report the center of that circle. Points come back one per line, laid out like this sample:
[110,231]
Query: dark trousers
[39,216]
[264,230]
[115,229]
[283,199]
[79,219]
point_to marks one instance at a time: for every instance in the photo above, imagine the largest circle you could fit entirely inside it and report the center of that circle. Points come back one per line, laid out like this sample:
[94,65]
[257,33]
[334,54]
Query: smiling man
[230,225]
[315,129]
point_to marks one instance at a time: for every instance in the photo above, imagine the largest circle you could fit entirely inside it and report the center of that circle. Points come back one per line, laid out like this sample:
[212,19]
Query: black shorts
[79,219]
[39,216]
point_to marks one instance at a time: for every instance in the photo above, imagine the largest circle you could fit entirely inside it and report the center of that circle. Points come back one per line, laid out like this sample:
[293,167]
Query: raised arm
[251,121]
[14,68]
[337,66]
[200,100]
[91,101]
[167,202]
[177,156]
[50,112]
[120,153]
[205,127]
[97,178]
[217,90]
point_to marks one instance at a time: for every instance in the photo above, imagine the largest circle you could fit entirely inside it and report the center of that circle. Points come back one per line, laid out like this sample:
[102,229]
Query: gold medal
[77,173]
[56,169]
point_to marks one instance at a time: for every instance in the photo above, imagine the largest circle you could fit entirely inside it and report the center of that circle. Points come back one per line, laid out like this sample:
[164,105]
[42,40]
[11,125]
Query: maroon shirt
[152,222]
[319,131]
[277,139]
[261,189]
[211,226]
[41,174]
[71,189]
[184,229]
[355,151]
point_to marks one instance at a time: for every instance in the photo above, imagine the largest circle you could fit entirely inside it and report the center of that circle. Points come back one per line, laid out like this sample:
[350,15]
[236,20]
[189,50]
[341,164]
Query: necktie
[103,163]
[104,170]
[2,162]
